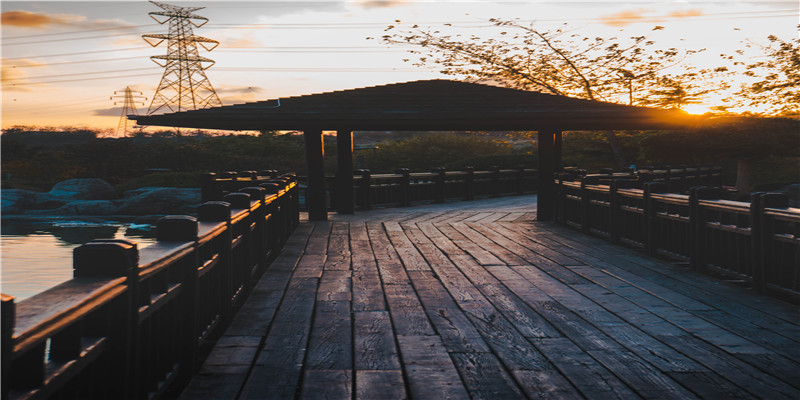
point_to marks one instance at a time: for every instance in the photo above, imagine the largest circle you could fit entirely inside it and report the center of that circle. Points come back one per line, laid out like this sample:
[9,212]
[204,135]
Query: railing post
[405,186]
[649,219]
[614,223]
[209,190]
[761,234]
[495,170]
[364,189]
[184,228]
[439,181]
[7,322]
[117,258]
[469,183]
[698,243]
[220,211]
[520,180]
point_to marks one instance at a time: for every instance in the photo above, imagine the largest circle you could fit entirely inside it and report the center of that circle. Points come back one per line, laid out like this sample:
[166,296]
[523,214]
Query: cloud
[107,112]
[624,17]
[234,42]
[379,3]
[685,14]
[639,15]
[28,19]
[35,20]
[230,94]
[13,75]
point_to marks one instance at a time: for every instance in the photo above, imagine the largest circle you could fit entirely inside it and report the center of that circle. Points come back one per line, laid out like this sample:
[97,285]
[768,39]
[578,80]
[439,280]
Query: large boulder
[83,189]
[89,207]
[71,190]
[158,200]
[16,201]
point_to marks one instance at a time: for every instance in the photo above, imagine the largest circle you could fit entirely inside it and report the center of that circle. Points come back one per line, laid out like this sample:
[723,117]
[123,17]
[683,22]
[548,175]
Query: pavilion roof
[422,106]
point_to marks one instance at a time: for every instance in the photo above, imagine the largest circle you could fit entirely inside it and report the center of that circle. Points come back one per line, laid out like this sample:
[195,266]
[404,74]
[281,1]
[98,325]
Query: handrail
[405,187]
[755,242]
[135,323]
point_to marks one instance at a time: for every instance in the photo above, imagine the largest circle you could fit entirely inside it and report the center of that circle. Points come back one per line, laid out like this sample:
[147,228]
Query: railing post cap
[255,192]
[110,258]
[238,199]
[178,228]
[214,211]
[270,187]
[774,200]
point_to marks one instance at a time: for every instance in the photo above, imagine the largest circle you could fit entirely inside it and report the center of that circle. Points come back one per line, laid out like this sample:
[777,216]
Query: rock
[16,201]
[83,189]
[71,190]
[161,201]
[89,207]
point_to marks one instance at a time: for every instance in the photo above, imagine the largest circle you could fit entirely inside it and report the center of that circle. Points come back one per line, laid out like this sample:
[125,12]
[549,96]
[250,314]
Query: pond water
[35,256]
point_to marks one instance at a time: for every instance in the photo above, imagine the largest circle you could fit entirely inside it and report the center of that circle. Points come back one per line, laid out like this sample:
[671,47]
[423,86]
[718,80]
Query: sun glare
[697,109]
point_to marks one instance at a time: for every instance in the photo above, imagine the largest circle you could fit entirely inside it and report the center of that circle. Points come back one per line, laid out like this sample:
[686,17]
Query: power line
[79,80]
[113,28]
[75,53]
[76,62]
[81,73]
[67,39]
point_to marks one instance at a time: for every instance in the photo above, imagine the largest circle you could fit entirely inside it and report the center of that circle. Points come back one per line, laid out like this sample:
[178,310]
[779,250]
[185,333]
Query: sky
[66,63]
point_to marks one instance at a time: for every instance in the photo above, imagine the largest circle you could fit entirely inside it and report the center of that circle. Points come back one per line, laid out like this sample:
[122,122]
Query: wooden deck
[476,300]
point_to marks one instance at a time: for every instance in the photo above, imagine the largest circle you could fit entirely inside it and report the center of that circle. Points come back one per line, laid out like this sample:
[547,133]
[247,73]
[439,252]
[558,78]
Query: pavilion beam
[545,207]
[316,202]
[344,172]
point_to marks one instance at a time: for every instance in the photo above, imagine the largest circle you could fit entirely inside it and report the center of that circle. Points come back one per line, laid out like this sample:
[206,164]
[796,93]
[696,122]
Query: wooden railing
[677,179]
[757,243]
[405,188]
[136,323]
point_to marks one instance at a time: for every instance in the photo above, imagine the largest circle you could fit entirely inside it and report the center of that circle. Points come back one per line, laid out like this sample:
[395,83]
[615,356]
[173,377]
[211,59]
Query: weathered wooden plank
[335,285]
[380,385]
[592,379]
[408,316]
[506,342]
[374,347]
[331,342]
[327,384]
[758,382]
[484,376]
[429,368]
[647,381]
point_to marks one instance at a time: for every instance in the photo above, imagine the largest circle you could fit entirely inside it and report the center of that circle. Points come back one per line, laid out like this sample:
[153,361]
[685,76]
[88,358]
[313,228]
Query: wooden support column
[316,202]
[344,173]
[545,208]
[557,144]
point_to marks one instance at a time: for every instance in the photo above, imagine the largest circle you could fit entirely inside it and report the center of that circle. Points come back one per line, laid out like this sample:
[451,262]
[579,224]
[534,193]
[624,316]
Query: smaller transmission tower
[184,85]
[130,99]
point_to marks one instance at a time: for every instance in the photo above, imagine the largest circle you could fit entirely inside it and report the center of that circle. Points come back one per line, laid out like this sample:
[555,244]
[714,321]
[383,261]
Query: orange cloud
[640,15]
[13,75]
[28,19]
[685,14]
[624,17]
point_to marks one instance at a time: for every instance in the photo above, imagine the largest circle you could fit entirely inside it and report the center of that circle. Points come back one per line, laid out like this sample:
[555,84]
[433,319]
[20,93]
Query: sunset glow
[63,60]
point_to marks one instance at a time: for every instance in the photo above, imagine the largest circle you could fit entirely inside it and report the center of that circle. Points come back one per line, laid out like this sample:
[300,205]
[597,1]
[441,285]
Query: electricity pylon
[128,108]
[184,85]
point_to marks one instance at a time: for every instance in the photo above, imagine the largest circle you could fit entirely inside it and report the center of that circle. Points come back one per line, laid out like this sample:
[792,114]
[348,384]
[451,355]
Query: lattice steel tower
[184,85]
[130,99]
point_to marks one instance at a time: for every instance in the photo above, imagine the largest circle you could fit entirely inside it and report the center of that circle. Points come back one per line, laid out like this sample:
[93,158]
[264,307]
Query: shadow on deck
[476,300]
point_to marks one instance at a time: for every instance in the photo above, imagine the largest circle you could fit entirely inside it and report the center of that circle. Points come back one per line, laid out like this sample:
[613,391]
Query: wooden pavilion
[427,105]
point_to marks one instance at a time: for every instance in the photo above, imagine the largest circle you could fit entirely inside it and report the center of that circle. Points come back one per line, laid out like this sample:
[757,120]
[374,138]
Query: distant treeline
[35,158]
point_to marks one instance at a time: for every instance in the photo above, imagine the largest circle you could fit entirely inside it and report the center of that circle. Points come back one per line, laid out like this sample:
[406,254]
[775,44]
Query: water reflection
[37,256]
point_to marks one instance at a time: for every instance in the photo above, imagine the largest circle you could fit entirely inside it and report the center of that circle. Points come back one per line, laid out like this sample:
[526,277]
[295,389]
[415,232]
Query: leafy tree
[558,62]
[775,84]
[744,139]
